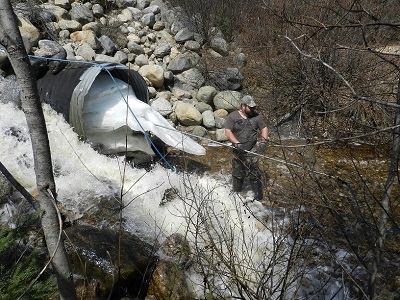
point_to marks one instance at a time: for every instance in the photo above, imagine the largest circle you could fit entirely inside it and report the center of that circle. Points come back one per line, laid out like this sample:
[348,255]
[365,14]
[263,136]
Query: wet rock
[168,282]
[95,255]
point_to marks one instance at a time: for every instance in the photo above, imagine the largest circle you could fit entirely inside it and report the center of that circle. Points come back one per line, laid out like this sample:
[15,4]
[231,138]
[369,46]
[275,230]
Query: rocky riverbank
[147,37]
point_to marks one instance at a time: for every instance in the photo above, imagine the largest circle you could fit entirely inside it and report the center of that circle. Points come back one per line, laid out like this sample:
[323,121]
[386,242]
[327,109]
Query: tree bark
[11,38]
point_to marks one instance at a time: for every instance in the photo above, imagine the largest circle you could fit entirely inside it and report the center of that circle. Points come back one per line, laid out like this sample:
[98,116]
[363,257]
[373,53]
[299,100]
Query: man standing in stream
[242,129]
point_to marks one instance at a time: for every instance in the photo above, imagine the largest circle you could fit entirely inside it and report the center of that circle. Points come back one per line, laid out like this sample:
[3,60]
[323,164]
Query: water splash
[202,207]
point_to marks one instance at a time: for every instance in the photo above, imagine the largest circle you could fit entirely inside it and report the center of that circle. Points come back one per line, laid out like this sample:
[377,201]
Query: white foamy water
[201,207]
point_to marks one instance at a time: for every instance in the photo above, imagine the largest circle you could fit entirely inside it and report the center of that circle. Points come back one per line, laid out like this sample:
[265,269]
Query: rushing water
[83,175]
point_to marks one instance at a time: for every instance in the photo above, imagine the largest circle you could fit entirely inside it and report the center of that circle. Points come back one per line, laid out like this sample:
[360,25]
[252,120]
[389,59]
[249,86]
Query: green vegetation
[20,265]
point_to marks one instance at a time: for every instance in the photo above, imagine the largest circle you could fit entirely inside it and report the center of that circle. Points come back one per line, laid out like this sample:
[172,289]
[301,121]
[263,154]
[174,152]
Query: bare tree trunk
[385,202]
[11,38]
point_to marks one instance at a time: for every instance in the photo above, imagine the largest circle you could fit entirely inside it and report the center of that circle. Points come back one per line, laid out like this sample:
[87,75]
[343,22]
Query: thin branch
[341,77]
[19,187]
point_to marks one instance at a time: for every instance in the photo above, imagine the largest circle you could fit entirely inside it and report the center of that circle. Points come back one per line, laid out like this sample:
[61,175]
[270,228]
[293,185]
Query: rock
[228,79]
[81,13]
[93,252]
[180,93]
[126,15]
[192,78]
[202,107]
[240,60]
[70,25]
[86,52]
[125,3]
[183,35]
[135,48]
[52,50]
[154,73]
[63,3]
[228,100]
[141,60]
[107,44]
[105,58]
[208,119]
[158,25]
[59,12]
[142,4]
[148,20]
[220,135]
[88,37]
[192,45]
[179,64]
[168,282]
[121,57]
[162,106]
[153,9]
[29,32]
[206,94]
[219,45]
[199,131]
[98,10]
[162,50]
[187,114]
[93,26]
[219,122]
[48,48]
[220,113]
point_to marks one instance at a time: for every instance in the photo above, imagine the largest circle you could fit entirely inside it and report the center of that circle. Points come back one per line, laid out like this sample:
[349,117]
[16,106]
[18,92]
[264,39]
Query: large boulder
[168,280]
[187,114]
[154,73]
[95,255]
[227,100]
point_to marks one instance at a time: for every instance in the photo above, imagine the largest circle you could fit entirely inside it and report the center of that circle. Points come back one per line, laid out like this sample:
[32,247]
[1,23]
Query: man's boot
[237,184]
[256,186]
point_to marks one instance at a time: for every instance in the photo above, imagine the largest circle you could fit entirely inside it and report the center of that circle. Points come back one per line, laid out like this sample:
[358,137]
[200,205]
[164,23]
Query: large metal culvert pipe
[65,91]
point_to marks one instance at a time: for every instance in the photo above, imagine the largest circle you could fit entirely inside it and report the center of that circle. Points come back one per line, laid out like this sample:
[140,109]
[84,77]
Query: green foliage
[19,267]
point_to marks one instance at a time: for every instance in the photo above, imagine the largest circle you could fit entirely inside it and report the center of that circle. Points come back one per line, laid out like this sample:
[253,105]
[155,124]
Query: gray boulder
[208,119]
[184,35]
[228,100]
[206,94]
[162,50]
[179,64]
[192,78]
[162,106]
[228,79]
[81,13]
[107,44]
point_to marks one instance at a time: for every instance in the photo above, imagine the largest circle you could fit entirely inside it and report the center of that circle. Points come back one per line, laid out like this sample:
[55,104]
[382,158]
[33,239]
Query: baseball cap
[248,100]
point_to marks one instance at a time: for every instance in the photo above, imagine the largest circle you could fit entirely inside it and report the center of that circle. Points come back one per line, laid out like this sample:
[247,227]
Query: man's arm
[231,137]
[264,134]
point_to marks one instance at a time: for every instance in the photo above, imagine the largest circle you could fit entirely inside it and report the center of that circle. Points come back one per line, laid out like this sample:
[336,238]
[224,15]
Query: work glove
[239,148]
[262,147]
